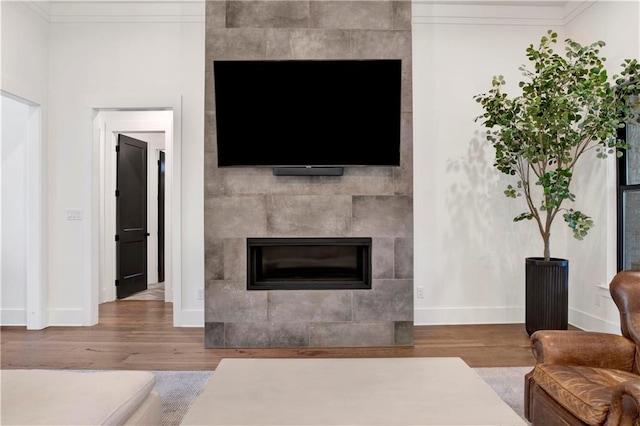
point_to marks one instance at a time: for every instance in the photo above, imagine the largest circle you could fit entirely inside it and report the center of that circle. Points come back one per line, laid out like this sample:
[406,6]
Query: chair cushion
[584,391]
[54,397]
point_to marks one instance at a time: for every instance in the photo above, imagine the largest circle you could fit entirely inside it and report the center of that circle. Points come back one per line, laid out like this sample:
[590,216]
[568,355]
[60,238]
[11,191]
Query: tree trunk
[547,248]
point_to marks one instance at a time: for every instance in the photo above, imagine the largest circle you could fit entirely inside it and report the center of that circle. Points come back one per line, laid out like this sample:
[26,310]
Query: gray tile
[306,306]
[356,180]
[214,259]
[402,15]
[213,335]
[407,95]
[225,259]
[210,136]
[267,14]
[213,178]
[308,44]
[403,333]
[232,217]
[215,14]
[209,89]
[266,335]
[228,301]
[389,300]
[403,258]
[249,181]
[382,258]
[236,43]
[403,175]
[350,334]
[252,202]
[235,259]
[351,14]
[382,216]
[364,181]
[304,215]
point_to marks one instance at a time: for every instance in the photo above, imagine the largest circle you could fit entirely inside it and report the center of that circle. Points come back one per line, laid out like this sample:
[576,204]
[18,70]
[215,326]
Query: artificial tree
[568,108]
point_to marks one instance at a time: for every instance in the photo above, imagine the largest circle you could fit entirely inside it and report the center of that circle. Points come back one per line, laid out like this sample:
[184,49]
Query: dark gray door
[161,173]
[131,216]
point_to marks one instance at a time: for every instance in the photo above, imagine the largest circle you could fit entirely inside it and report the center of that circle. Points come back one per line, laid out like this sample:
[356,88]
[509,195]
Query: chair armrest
[625,404]
[569,347]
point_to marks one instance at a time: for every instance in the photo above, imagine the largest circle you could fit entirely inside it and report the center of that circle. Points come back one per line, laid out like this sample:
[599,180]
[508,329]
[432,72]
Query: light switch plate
[74,214]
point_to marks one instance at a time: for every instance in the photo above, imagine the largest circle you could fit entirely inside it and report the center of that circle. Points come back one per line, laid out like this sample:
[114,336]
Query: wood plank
[139,335]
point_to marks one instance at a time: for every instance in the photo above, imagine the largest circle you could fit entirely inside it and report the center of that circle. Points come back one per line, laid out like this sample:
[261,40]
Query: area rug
[178,389]
[508,383]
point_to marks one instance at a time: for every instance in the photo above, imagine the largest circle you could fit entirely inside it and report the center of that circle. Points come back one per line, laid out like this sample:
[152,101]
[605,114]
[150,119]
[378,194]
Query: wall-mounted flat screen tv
[300,113]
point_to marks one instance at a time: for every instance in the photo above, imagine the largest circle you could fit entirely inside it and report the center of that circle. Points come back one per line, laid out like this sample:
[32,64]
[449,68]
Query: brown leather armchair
[588,378]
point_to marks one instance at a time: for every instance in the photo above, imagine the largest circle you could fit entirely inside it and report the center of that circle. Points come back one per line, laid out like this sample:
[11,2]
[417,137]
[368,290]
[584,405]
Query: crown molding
[120,11]
[470,12]
[42,8]
[496,12]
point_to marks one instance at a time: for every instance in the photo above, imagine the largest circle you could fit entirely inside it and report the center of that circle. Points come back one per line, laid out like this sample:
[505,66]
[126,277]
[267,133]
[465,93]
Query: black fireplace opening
[308,263]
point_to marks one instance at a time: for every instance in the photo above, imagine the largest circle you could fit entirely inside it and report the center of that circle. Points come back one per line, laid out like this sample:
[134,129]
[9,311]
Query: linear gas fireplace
[308,263]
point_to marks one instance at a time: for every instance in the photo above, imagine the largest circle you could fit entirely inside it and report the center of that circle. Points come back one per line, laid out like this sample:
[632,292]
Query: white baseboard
[505,315]
[66,317]
[590,322]
[13,317]
[469,315]
[191,318]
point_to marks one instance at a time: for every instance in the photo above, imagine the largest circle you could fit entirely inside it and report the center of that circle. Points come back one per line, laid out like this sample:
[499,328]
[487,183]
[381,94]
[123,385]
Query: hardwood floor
[138,335]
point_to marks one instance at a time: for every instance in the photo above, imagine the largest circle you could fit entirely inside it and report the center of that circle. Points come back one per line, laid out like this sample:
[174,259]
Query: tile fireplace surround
[372,202]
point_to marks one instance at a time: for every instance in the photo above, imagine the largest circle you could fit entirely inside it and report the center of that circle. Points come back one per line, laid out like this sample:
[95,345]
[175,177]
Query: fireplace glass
[308,263]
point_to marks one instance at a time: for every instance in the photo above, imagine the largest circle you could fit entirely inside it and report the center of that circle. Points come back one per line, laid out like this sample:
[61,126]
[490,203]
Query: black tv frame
[328,168]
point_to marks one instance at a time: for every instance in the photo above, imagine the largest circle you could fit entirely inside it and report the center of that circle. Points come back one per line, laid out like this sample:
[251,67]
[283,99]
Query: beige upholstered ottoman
[54,397]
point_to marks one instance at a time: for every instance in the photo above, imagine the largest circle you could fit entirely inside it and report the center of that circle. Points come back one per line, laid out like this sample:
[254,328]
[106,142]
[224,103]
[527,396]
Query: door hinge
[117,148]
[117,283]
[117,237]
[117,192]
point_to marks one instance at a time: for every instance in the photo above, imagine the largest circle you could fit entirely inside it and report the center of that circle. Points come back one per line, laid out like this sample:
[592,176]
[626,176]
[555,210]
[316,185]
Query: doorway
[23,285]
[155,128]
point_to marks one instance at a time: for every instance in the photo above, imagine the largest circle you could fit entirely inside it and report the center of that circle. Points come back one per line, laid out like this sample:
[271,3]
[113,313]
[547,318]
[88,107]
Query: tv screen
[300,113]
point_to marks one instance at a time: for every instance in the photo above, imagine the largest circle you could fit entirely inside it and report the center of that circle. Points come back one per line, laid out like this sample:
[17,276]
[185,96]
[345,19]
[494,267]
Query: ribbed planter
[547,294]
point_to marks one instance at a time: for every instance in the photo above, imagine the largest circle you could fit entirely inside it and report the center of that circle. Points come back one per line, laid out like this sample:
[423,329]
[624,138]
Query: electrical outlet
[201,294]
[420,292]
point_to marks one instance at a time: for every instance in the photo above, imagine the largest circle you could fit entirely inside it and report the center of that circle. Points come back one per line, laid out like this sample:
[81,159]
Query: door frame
[37,294]
[106,123]
[113,127]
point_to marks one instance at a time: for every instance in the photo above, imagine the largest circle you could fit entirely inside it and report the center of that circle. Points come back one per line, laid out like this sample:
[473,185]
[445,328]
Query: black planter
[547,294]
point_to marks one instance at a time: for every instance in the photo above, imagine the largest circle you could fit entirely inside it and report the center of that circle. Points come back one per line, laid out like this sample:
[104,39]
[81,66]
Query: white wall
[469,254]
[617,23]
[13,269]
[110,64]
[24,76]
[87,56]
[25,52]
[113,64]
